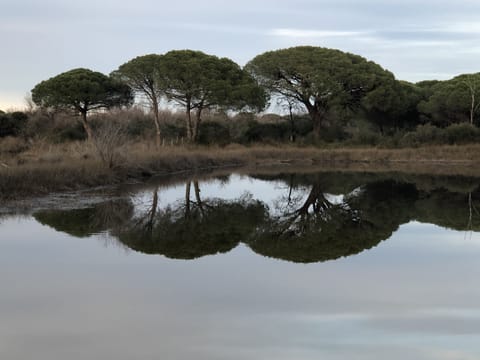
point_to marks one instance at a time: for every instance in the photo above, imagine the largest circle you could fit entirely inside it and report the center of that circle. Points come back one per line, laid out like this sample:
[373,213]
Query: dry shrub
[109,141]
[12,145]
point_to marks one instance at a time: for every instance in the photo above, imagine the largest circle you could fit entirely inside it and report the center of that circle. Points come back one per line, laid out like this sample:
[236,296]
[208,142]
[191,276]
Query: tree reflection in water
[195,228]
[307,224]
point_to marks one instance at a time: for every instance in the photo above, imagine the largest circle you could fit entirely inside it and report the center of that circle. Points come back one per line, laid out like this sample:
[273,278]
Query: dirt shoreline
[25,181]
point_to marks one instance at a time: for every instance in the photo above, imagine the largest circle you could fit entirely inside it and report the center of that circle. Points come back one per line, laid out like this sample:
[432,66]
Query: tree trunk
[292,126]
[472,108]
[86,126]
[189,122]
[156,120]
[198,120]
[153,212]
[317,117]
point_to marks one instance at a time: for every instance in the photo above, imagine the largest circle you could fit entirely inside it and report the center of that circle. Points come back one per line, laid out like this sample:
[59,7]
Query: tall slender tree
[141,74]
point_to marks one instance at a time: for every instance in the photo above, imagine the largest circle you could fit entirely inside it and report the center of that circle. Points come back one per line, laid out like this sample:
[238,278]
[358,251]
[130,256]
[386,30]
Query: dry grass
[40,168]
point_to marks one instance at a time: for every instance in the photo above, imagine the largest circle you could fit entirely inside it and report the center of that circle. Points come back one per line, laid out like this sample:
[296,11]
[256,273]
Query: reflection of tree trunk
[153,211]
[316,200]
[197,197]
[187,199]
[290,190]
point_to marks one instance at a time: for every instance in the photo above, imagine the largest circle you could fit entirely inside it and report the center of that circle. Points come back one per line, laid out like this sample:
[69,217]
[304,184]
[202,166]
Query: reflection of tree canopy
[306,224]
[88,221]
[194,229]
[320,230]
[450,210]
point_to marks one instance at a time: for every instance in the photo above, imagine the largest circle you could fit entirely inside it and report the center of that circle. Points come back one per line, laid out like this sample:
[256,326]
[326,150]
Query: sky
[416,40]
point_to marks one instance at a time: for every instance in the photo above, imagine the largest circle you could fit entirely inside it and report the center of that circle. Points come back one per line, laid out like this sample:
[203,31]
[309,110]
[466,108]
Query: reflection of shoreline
[90,197]
[307,228]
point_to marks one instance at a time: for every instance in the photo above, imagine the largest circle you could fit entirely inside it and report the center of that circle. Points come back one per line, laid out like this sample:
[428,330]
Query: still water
[334,266]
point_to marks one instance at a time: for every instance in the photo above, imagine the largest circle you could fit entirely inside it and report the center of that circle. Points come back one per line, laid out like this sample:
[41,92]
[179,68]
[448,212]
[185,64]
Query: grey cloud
[446,324]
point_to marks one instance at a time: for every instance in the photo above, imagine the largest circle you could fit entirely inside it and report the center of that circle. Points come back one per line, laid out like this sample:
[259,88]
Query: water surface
[293,266]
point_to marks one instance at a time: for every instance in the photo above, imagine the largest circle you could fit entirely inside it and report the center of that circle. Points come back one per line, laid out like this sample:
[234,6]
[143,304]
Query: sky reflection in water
[413,296]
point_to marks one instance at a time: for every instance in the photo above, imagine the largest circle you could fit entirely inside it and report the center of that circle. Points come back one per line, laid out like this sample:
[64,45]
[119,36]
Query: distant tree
[318,78]
[453,101]
[141,74]
[393,105]
[82,90]
[198,81]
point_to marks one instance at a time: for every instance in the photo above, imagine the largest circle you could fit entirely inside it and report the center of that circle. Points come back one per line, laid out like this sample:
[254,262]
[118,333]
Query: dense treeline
[323,95]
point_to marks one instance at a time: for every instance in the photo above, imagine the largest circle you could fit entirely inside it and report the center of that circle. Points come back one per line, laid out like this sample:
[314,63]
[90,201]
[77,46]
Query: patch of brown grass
[42,167]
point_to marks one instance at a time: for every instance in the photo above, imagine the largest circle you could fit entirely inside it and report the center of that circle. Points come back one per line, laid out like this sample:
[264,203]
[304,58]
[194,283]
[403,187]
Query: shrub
[173,132]
[12,145]
[461,133]
[69,132]
[211,133]
[257,132]
[364,136]
[423,135]
[11,124]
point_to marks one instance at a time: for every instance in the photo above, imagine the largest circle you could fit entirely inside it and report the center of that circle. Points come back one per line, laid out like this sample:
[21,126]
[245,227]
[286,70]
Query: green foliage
[393,106]
[81,90]
[463,133]
[423,134]
[453,101]
[198,81]
[365,136]
[279,131]
[208,81]
[258,132]
[455,134]
[141,74]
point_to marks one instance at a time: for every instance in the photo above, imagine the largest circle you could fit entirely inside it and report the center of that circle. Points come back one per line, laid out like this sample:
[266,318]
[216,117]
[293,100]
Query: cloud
[304,33]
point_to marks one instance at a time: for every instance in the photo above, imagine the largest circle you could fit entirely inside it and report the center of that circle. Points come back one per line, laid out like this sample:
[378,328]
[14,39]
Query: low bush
[463,133]
[268,132]
[12,124]
[213,133]
[423,135]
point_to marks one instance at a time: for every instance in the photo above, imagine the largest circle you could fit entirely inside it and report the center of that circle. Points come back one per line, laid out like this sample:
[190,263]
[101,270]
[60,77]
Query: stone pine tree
[198,81]
[318,78]
[82,90]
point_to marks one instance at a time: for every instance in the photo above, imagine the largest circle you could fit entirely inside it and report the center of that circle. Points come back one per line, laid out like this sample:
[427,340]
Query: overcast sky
[416,40]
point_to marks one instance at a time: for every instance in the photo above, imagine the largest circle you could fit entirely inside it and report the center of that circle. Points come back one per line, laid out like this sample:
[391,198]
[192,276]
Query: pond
[334,266]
